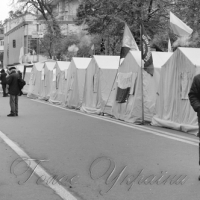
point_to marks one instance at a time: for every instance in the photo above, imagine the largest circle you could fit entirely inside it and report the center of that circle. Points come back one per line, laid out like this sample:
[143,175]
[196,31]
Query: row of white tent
[90,83]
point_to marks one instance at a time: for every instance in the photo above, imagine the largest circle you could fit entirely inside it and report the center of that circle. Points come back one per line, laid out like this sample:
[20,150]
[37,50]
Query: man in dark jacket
[3,82]
[20,77]
[194,97]
[12,81]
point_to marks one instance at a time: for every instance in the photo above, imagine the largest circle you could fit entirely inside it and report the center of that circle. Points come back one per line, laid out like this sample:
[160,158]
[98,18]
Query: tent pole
[111,89]
[142,75]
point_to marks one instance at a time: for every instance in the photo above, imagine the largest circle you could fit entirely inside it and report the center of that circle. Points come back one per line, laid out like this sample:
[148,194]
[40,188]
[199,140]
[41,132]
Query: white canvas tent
[35,80]
[75,82]
[46,80]
[131,109]
[173,109]
[26,72]
[58,82]
[99,79]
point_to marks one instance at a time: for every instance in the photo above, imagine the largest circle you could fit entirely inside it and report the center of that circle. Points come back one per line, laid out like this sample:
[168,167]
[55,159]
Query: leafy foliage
[106,18]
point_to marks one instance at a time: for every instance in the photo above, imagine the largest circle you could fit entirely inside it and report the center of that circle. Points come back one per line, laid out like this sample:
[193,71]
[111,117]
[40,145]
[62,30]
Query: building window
[1,43]
[14,43]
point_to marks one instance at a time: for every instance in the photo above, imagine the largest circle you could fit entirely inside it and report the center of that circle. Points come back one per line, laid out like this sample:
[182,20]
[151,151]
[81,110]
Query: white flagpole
[142,75]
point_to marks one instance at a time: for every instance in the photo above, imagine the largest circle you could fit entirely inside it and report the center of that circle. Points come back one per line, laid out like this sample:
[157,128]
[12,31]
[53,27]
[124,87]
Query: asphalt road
[92,158]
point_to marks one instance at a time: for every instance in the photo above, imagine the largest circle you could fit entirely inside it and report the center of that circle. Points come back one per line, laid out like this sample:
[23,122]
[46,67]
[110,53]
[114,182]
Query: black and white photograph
[100,100]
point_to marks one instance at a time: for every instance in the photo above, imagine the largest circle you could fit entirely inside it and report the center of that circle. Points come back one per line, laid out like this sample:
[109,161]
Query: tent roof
[81,63]
[107,62]
[50,65]
[63,65]
[39,66]
[193,54]
[159,58]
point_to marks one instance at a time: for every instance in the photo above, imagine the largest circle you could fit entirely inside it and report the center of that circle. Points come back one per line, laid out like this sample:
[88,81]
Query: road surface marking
[165,134]
[39,171]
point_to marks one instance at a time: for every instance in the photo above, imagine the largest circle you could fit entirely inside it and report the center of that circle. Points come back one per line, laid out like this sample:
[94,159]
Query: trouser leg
[199,138]
[16,104]
[199,142]
[12,104]
[198,135]
[4,89]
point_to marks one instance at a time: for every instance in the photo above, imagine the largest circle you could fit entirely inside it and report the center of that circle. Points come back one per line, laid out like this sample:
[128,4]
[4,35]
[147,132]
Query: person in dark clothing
[12,81]
[3,82]
[20,77]
[194,97]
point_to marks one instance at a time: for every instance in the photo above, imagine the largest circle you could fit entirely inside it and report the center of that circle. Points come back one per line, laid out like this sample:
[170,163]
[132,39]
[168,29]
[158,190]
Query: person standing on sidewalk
[12,81]
[194,97]
[3,82]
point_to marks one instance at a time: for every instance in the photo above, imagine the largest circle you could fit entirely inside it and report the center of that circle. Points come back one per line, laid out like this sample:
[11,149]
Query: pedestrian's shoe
[11,115]
[16,114]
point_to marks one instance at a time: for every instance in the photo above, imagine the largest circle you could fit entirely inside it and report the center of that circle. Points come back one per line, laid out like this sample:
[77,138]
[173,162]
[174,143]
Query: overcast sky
[4,9]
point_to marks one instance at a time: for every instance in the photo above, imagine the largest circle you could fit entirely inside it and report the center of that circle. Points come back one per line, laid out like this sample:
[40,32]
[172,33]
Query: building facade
[1,40]
[18,36]
[65,12]
[1,46]
[19,33]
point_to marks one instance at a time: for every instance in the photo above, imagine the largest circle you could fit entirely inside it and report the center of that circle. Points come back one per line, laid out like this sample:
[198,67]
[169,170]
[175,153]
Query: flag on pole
[128,43]
[21,54]
[92,50]
[146,52]
[179,27]
[169,46]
